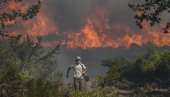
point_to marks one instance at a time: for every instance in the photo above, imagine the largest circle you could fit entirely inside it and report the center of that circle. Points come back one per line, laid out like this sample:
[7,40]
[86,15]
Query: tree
[26,67]
[27,62]
[13,14]
[148,62]
[28,51]
[114,76]
[150,10]
[151,68]
[119,63]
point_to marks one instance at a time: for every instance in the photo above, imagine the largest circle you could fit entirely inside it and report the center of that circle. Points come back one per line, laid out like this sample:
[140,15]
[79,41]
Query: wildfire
[156,37]
[97,32]
[41,25]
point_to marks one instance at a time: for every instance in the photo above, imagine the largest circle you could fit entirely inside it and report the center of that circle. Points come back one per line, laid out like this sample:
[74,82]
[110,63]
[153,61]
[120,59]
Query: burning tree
[11,10]
[25,65]
[151,10]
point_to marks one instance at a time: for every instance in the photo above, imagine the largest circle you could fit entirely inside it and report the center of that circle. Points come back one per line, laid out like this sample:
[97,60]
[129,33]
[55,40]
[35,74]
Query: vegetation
[149,72]
[151,10]
[27,69]
[13,14]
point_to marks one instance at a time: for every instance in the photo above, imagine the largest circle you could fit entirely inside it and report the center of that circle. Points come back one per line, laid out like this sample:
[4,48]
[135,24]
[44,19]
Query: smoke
[89,24]
[101,23]
[92,57]
[93,29]
[72,14]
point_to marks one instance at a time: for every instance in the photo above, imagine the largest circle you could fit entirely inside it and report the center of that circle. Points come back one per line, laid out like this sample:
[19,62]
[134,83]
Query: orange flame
[41,25]
[98,32]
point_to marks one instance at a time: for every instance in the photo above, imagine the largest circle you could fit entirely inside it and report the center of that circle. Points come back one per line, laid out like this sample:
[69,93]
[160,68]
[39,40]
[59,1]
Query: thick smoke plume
[88,24]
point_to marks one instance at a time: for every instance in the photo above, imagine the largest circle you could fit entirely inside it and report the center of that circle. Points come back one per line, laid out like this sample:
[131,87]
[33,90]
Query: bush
[24,71]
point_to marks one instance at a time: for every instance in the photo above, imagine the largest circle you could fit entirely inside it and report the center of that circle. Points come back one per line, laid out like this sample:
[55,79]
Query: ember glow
[40,25]
[97,32]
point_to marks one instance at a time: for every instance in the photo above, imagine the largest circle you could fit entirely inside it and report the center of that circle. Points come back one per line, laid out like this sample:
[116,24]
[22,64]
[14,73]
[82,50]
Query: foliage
[24,71]
[117,66]
[27,69]
[151,10]
[15,84]
[13,14]
[151,68]
[42,88]
[148,62]
[98,92]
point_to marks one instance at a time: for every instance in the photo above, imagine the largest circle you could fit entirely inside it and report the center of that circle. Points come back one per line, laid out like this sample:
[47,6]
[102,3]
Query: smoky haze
[92,29]
[100,23]
[72,14]
[92,58]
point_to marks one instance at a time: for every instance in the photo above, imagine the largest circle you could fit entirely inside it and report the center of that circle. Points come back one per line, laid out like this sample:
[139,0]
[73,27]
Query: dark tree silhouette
[150,10]
[27,68]
[11,15]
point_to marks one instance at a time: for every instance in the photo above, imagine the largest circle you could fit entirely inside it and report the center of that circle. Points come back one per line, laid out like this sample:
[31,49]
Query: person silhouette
[79,69]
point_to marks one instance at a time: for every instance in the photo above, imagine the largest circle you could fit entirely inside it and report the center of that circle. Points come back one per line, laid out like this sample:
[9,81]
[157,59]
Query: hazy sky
[72,14]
